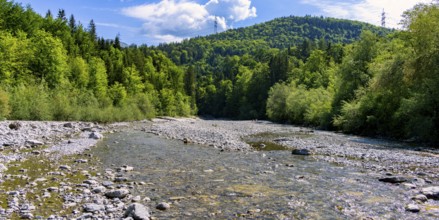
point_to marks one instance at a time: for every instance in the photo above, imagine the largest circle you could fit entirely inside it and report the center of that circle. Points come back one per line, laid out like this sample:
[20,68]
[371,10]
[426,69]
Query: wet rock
[91,207]
[96,135]
[394,179]
[420,198]
[412,208]
[431,192]
[303,152]
[119,193]
[163,206]
[137,212]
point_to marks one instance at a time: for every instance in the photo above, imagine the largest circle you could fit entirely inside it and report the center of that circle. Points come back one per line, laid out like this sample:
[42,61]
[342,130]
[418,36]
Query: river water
[202,182]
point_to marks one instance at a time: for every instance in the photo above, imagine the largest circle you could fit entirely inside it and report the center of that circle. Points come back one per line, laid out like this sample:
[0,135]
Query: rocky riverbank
[47,172]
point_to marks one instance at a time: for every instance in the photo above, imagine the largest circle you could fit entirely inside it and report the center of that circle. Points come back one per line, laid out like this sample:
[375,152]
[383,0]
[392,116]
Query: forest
[320,72]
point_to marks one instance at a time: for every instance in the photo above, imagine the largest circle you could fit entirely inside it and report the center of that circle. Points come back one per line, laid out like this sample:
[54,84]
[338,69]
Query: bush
[30,102]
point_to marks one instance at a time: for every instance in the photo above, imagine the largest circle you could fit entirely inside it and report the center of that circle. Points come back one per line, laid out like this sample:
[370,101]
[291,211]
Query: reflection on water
[202,182]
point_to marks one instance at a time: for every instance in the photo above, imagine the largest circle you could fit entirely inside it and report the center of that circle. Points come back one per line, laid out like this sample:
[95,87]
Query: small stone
[26,215]
[119,193]
[90,182]
[303,152]
[81,161]
[431,192]
[53,189]
[96,135]
[412,208]
[64,167]
[409,186]
[107,183]
[420,198]
[36,152]
[163,206]
[137,212]
[3,168]
[136,199]
[289,165]
[91,207]
[99,189]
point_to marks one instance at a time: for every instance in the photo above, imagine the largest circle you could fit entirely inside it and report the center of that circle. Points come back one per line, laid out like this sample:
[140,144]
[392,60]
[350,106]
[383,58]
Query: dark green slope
[288,31]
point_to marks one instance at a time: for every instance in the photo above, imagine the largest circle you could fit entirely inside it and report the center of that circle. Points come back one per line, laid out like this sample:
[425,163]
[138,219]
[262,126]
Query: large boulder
[431,192]
[137,211]
[119,193]
[91,207]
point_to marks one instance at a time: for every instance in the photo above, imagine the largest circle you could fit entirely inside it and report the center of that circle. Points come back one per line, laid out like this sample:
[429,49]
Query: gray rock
[34,143]
[119,193]
[137,212]
[91,207]
[394,179]
[303,152]
[420,198]
[96,135]
[64,167]
[107,183]
[136,199]
[3,167]
[90,182]
[26,215]
[99,189]
[163,206]
[431,192]
[412,208]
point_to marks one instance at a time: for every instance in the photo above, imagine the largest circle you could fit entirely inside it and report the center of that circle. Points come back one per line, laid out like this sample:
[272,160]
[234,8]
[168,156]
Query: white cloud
[174,20]
[366,10]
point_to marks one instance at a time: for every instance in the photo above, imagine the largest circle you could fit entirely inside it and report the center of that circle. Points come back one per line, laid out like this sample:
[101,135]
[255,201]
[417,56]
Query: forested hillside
[321,72]
[54,68]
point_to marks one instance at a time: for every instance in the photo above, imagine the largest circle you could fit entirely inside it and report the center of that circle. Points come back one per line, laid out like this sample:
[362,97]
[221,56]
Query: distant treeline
[321,72]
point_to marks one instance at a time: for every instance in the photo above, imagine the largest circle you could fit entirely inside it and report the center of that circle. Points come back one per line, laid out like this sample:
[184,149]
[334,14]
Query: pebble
[420,198]
[137,212]
[303,152]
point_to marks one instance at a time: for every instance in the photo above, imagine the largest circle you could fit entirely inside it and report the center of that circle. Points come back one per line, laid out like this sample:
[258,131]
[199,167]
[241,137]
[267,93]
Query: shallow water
[202,182]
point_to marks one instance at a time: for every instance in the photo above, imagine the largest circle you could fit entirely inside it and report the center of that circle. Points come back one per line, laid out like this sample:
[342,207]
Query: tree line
[55,68]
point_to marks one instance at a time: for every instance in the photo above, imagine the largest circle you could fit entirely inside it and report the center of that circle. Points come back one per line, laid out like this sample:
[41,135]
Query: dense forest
[314,71]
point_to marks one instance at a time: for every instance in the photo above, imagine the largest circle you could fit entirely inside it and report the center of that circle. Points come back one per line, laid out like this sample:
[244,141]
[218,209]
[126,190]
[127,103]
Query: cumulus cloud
[366,10]
[174,20]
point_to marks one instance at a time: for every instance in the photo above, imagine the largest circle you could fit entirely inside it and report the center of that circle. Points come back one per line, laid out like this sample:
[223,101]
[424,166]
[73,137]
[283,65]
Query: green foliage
[30,102]
[4,105]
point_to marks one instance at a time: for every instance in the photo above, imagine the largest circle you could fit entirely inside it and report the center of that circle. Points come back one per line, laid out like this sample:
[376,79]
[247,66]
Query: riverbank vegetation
[321,72]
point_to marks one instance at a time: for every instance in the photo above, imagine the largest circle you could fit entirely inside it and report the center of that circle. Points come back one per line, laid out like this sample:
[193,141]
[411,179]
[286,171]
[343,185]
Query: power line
[383,19]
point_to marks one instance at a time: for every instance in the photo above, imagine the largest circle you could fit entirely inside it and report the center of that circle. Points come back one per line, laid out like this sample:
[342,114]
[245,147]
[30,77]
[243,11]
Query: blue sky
[155,21]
